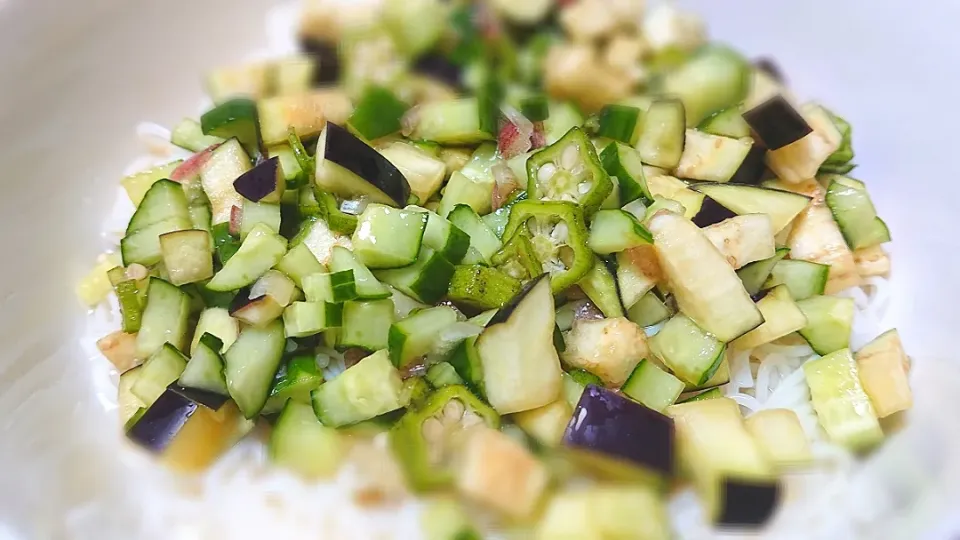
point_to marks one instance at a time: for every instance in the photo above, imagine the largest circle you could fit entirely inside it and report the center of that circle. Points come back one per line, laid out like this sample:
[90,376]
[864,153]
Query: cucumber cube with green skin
[204,371]
[302,319]
[652,386]
[387,237]
[368,287]
[370,388]
[624,163]
[260,251]
[616,230]
[414,337]
[366,324]
[158,372]
[426,280]
[187,256]
[302,444]
[251,363]
[237,118]
[298,263]
[336,287]
[569,170]
[851,206]
[443,236]
[842,405]
[164,318]
[690,352]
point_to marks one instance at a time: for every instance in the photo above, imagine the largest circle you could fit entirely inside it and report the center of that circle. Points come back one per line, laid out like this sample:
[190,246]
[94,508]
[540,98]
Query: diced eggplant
[711,212]
[747,503]
[210,400]
[349,167]
[162,421]
[753,167]
[616,427]
[770,67]
[326,57]
[782,206]
[263,183]
[777,123]
[439,67]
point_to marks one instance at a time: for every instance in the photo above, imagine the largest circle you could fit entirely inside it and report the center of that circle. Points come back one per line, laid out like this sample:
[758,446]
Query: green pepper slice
[569,170]
[426,439]
[558,234]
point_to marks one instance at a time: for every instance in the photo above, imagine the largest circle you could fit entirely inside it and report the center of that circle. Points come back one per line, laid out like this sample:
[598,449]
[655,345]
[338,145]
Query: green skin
[579,257]
[518,258]
[566,170]
[412,450]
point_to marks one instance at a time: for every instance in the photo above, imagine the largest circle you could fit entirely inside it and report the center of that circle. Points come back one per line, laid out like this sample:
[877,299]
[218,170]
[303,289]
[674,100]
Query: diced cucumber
[336,287]
[366,324]
[481,287]
[188,134]
[261,251]
[164,318]
[366,285]
[652,386]
[705,286]
[164,201]
[615,230]
[574,382]
[129,405]
[258,311]
[754,275]
[218,323]
[711,158]
[605,511]
[661,140]
[294,382]
[712,393]
[690,352]
[648,311]
[546,424]
[638,271]
[883,367]
[187,256]
[619,122]
[804,279]
[601,288]
[855,214]
[236,118]
[720,377]
[255,214]
[415,336]
[424,173]
[364,391]
[781,317]
[217,175]
[842,406]
[521,368]
[204,371]
[293,172]
[482,240]
[157,373]
[726,123]
[387,237]
[302,444]
[251,363]
[426,280]
[143,246]
[780,437]
[302,319]
[450,122]
[475,193]
[713,80]
[829,322]
[298,263]
[136,185]
[377,114]
[444,237]
[720,455]
[563,117]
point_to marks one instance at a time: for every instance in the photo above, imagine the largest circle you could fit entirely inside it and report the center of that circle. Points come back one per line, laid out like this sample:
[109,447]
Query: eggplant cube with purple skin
[618,429]
[263,183]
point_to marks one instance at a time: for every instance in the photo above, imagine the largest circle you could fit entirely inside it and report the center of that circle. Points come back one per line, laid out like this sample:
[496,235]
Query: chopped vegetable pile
[520,239]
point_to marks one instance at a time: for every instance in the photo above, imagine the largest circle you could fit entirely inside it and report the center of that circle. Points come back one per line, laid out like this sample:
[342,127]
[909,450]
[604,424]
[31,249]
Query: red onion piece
[236,216]
[191,167]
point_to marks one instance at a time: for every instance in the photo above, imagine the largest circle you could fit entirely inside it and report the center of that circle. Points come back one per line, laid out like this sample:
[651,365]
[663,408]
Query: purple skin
[748,502]
[504,313]
[711,212]
[160,424]
[606,423]
[349,152]
[752,170]
[777,123]
[259,182]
